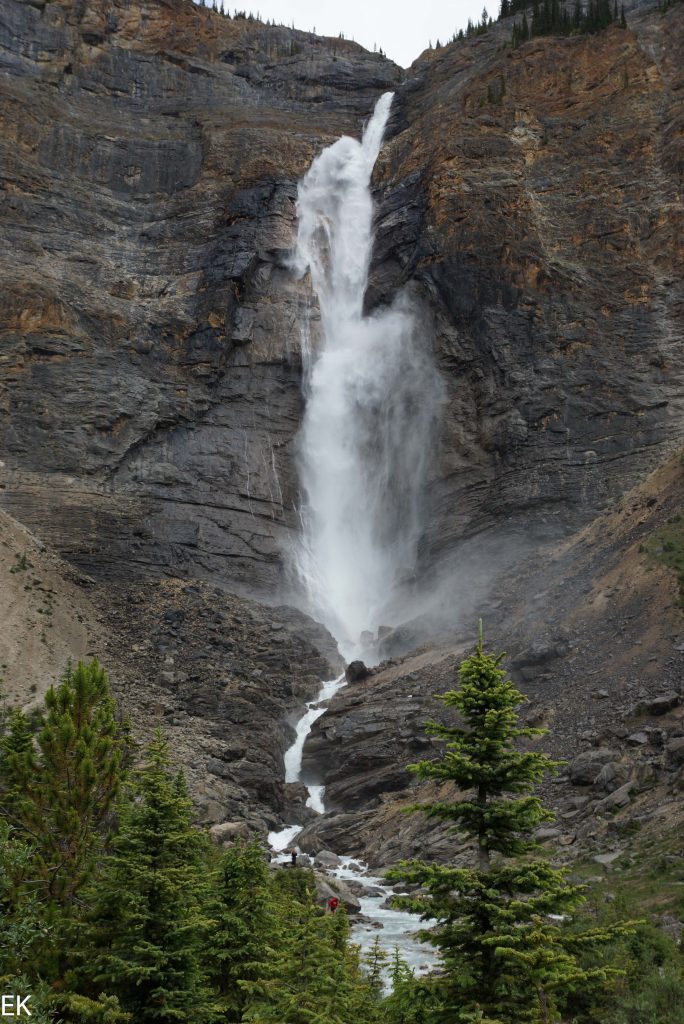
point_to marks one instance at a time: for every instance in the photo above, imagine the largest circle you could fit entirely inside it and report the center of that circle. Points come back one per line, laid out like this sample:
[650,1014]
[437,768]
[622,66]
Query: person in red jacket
[333,904]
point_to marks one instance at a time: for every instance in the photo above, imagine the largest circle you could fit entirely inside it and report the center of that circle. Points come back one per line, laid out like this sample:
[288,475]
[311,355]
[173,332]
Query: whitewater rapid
[396,929]
[283,839]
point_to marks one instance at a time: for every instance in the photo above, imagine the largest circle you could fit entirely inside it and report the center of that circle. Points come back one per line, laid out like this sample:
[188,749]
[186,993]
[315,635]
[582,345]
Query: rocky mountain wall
[532,198]
[149,331]
[150,366]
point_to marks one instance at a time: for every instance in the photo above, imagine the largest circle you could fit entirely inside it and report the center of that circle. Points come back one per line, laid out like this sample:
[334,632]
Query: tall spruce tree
[58,792]
[246,935]
[149,923]
[504,957]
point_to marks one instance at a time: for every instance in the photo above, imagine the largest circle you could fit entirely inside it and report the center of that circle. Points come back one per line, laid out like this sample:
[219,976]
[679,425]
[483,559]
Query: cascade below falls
[372,402]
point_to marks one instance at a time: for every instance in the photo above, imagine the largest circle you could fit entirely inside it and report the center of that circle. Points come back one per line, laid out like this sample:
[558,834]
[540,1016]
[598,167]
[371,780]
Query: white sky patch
[403,29]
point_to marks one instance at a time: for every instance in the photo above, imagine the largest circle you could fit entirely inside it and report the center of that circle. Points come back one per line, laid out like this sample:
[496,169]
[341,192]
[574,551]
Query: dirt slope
[46,616]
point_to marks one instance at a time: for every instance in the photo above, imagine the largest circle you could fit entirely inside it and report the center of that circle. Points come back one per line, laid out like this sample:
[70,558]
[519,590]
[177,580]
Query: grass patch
[648,881]
[22,564]
[666,546]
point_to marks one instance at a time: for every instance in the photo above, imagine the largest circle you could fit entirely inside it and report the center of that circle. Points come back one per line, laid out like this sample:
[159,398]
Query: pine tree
[18,768]
[245,934]
[60,794]
[315,976]
[149,923]
[503,957]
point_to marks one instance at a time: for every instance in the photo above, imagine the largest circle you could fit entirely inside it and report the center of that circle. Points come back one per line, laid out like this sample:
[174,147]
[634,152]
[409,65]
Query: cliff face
[544,231]
[150,367]
[149,324]
[149,387]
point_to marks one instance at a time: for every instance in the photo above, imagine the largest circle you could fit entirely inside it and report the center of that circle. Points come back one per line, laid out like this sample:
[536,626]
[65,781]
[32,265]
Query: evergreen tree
[503,957]
[316,977]
[18,768]
[149,923]
[60,793]
[245,935]
[23,923]
[412,1000]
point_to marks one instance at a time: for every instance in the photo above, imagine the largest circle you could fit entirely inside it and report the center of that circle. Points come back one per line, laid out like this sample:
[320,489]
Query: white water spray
[373,398]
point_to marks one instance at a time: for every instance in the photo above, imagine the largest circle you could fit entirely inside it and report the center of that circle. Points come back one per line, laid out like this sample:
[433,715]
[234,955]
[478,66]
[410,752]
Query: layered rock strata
[150,326]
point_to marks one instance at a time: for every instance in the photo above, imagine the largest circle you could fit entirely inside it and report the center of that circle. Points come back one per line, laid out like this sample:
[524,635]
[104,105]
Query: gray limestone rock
[584,769]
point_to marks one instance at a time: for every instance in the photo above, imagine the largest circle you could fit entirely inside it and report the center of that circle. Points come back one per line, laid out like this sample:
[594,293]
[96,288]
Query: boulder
[612,776]
[544,835]
[674,751]
[540,653]
[327,859]
[661,705]
[358,888]
[329,887]
[607,859]
[584,768]
[355,671]
[226,832]
[620,798]
[638,739]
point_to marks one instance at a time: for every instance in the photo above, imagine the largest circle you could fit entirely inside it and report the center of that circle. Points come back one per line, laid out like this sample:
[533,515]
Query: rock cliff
[528,201]
[533,196]
[149,388]
[150,374]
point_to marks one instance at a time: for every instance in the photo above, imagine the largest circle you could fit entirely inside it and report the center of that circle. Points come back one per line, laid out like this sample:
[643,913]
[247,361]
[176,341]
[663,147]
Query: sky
[403,28]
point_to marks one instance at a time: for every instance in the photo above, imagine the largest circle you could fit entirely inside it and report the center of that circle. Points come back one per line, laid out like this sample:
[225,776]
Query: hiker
[333,904]
[293,855]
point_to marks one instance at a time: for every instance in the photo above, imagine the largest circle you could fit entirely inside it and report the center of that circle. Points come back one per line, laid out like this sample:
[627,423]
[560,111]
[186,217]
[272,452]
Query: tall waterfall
[372,402]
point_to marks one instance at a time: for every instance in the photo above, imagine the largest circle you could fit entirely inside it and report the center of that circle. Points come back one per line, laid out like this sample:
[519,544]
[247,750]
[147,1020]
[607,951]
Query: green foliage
[504,953]
[555,17]
[412,1000]
[481,756]
[59,791]
[245,934]
[315,976]
[666,545]
[149,922]
[650,989]
[23,917]
[115,908]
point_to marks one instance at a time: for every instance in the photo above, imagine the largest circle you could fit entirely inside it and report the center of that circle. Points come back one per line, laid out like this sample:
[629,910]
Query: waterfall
[372,404]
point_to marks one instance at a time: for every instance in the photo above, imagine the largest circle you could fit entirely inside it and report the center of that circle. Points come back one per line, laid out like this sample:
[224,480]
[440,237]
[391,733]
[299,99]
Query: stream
[395,929]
